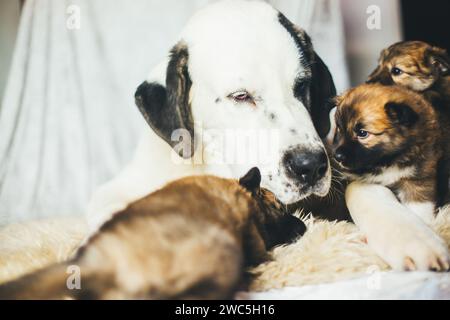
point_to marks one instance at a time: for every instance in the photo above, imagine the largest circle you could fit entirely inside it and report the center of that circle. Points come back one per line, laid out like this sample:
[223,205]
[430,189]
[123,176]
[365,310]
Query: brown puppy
[191,239]
[388,135]
[417,66]
[422,68]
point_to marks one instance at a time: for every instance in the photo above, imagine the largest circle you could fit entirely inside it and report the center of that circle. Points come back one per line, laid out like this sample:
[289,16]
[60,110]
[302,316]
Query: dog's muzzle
[306,167]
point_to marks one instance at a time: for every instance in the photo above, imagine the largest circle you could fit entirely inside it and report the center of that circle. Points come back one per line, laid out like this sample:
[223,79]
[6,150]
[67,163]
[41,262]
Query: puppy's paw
[416,248]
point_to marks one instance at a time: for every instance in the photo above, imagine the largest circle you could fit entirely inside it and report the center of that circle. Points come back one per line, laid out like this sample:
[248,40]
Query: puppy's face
[381,127]
[412,64]
[276,224]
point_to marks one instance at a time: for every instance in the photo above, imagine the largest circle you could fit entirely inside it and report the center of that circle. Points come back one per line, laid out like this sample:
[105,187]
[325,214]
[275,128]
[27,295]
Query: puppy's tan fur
[191,239]
[415,65]
[390,136]
[412,150]
[423,68]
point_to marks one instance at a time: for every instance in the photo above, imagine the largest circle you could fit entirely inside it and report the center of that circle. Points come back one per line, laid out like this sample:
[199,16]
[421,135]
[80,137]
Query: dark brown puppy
[388,135]
[417,66]
[425,69]
[191,239]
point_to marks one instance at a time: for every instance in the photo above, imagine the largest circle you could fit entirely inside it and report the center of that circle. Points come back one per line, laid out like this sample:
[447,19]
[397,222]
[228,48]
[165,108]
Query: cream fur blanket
[328,252]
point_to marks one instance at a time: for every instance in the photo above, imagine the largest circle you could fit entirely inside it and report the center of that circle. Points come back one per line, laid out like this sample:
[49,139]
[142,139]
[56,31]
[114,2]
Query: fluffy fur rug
[28,246]
[329,251]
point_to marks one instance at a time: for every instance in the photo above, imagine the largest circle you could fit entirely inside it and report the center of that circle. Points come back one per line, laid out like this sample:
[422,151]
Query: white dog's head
[243,65]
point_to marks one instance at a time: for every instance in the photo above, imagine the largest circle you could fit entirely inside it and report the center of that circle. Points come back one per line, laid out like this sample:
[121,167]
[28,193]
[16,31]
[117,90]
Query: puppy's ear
[401,114]
[381,74]
[252,180]
[318,94]
[337,100]
[166,108]
[439,59]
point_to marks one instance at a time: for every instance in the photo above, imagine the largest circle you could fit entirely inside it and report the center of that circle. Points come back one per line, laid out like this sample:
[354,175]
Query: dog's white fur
[395,232]
[424,210]
[388,175]
[233,45]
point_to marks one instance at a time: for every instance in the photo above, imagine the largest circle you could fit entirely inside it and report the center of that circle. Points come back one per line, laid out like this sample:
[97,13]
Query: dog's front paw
[415,248]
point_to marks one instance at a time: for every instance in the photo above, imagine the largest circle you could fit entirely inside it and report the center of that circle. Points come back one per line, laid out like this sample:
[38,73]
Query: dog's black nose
[339,155]
[306,167]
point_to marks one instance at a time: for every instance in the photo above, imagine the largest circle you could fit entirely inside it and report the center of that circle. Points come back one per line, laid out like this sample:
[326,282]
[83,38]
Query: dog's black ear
[318,94]
[439,60]
[252,180]
[166,108]
[322,93]
[401,114]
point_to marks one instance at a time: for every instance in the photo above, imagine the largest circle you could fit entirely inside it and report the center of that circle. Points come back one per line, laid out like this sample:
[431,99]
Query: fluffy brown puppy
[190,239]
[423,68]
[417,66]
[388,135]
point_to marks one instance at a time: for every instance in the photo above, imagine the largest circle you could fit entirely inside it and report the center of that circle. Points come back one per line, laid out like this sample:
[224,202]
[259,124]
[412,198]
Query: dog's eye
[241,96]
[396,71]
[362,134]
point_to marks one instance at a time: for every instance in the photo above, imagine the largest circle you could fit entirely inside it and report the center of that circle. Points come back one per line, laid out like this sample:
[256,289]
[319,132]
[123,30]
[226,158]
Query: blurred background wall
[362,44]
[408,19]
[9,21]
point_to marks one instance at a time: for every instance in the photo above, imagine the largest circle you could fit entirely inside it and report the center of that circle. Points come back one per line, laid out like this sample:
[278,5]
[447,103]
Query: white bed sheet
[377,286]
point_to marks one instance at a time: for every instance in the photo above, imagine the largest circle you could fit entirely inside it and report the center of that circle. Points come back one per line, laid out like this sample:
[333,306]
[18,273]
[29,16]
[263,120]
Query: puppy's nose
[339,155]
[307,167]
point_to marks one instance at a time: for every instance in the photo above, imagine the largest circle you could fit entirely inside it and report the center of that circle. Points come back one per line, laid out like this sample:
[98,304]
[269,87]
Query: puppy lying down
[190,239]
[423,68]
[391,136]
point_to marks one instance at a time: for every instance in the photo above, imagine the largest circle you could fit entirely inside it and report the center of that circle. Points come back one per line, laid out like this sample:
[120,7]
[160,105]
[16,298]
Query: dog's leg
[395,233]
[425,210]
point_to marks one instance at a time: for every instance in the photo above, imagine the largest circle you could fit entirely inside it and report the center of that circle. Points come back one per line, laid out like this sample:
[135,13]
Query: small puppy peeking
[418,66]
[389,135]
[191,239]
[421,67]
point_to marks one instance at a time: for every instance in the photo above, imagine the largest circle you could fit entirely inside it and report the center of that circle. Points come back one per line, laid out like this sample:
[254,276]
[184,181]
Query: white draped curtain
[68,121]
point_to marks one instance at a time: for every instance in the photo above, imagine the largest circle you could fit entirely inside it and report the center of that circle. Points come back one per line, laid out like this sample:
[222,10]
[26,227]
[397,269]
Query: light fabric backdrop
[68,121]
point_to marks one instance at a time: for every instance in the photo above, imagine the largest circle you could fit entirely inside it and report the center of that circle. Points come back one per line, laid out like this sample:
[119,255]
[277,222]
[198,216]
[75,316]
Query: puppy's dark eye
[241,96]
[396,71]
[362,134]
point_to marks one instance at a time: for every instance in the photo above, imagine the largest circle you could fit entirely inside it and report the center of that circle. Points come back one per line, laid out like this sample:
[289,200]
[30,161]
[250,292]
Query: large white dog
[241,66]
[240,69]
